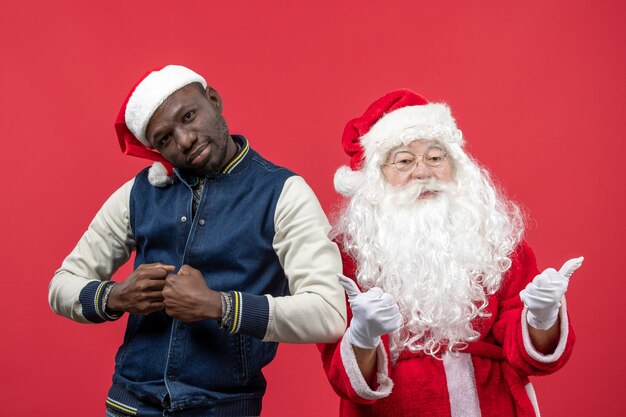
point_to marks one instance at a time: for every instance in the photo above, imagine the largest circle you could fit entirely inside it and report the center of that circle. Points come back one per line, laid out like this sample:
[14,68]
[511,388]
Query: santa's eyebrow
[400,150]
[406,148]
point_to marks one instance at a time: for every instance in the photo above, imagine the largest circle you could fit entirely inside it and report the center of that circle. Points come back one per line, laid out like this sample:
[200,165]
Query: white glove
[543,295]
[374,313]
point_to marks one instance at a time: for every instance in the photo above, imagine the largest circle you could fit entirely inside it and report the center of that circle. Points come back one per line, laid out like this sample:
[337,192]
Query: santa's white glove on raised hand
[543,295]
[374,313]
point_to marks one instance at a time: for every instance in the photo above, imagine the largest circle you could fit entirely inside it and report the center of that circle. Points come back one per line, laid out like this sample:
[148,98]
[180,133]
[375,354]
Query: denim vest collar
[237,164]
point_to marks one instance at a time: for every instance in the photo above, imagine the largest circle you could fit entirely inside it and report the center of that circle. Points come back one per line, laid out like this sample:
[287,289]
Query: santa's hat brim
[432,121]
[404,125]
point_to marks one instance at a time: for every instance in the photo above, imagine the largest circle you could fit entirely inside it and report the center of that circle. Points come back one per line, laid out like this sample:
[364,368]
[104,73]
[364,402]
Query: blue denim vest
[198,365]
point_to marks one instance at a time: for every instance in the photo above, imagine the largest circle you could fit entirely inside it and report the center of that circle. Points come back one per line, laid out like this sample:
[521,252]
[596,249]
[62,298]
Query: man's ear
[214,98]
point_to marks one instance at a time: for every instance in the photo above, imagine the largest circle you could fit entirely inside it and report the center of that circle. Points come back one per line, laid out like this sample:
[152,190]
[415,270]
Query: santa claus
[450,316]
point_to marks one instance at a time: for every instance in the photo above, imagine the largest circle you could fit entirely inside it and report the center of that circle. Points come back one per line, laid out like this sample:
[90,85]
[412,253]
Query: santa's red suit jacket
[488,378]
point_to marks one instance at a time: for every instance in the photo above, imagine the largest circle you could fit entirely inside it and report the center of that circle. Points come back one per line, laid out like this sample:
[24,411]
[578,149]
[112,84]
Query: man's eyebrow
[158,132]
[161,129]
[179,111]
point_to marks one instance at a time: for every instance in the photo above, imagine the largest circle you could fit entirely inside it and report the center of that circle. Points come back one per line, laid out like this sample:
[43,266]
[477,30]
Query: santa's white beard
[439,258]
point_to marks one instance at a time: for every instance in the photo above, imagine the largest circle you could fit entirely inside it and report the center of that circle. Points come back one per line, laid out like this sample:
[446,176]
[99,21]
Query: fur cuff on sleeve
[560,348]
[360,386]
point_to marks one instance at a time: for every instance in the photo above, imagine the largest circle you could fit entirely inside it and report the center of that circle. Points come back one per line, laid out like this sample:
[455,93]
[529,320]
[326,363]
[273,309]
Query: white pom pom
[157,175]
[347,181]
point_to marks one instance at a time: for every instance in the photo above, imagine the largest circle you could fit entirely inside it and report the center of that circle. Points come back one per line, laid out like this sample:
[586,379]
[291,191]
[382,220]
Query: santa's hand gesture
[543,295]
[374,313]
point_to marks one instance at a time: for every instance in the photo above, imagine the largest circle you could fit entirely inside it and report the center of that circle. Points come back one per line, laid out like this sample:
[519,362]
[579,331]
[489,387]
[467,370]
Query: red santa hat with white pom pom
[397,118]
[137,109]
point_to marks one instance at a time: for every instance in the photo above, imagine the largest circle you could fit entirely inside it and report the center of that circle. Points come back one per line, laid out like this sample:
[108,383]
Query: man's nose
[185,138]
[421,171]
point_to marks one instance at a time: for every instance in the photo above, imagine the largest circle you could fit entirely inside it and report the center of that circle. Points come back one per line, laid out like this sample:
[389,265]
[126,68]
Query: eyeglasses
[405,161]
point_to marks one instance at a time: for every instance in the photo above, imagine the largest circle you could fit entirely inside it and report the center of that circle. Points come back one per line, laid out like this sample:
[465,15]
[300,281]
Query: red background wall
[537,88]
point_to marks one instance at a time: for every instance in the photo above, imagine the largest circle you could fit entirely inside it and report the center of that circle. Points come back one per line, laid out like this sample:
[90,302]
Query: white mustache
[415,188]
[432,185]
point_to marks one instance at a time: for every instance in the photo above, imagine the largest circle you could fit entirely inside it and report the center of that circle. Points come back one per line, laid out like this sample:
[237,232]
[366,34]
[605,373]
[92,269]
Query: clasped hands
[153,287]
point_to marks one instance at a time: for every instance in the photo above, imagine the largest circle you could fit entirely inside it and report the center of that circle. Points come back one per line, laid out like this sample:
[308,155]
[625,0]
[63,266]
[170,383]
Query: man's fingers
[171,279]
[154,306]
[154,271]
[186,270]
[151,284]
[348,285]
[570,266]
[154,296]
[158,265]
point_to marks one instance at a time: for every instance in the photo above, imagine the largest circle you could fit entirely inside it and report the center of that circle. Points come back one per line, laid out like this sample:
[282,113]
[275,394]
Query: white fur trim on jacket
[157,175]
[151,92]
[385,384]
[461,382]
[560,348]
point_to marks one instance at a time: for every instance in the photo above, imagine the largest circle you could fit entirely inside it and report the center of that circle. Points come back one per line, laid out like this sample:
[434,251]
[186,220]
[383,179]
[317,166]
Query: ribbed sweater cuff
[91,300]
[250,314]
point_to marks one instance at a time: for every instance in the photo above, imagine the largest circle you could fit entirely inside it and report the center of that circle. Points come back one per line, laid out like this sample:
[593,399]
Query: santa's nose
[421,171]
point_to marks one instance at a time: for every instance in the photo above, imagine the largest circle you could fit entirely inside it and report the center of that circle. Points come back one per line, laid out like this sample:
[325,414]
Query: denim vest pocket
[143,355]
[258,355]
[241,347]
[213,358]
[134,321]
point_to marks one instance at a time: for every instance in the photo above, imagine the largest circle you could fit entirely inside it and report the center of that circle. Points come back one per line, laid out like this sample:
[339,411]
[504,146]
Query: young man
[232,256]
[449,284]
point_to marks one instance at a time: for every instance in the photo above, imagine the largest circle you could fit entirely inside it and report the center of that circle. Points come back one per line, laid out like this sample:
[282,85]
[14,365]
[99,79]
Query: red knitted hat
[398,117]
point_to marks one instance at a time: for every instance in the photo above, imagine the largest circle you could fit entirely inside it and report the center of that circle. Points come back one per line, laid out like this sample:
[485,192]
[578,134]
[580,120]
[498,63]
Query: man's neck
[232,148]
